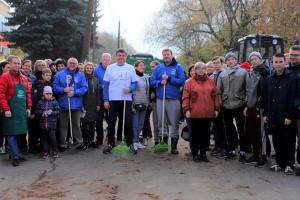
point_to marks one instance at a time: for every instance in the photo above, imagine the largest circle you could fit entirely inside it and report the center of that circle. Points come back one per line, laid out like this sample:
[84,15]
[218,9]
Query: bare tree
[225,20]
[186,23]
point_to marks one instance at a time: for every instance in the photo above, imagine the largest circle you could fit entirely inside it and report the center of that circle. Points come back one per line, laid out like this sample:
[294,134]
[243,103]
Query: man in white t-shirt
[119,83]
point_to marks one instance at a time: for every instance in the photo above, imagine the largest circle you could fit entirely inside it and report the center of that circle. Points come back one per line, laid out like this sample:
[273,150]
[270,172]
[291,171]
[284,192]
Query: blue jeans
[138,119]
[188,122]
[13,147]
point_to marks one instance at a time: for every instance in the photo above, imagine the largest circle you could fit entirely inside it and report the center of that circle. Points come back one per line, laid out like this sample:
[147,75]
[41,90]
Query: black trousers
[103,113]
[200,134]
[147,132]
[33,133]
[88,131]
[48,138]
[235,136]
[2,136]
[221,142]
[22,141]
[116,111]
[284,142]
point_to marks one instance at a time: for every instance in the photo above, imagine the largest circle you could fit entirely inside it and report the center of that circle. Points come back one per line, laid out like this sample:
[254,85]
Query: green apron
[17,123]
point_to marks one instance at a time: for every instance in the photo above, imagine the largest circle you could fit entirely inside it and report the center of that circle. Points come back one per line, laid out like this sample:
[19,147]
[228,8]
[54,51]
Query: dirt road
[147,176]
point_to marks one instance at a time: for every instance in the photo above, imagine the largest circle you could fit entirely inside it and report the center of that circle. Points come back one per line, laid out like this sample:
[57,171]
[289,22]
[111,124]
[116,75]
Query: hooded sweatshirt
[176,79]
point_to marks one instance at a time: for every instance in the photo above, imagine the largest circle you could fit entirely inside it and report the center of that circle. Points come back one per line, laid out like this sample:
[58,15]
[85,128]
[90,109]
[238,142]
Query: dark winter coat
[279,98]
[91,99]
[51,107]
[38,89]
[295,73]
[294,70]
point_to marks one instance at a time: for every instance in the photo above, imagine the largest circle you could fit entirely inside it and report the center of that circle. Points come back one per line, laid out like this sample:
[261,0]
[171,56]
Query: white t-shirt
[119,77]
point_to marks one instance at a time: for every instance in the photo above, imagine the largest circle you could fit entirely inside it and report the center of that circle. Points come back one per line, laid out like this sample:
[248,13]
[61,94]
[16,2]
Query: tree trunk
[87,32]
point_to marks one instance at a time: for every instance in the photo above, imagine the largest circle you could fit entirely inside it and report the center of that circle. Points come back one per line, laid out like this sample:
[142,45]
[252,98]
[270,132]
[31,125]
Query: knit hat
[47,89]
[255,53]
[60,61]
[52,64]
[230,55]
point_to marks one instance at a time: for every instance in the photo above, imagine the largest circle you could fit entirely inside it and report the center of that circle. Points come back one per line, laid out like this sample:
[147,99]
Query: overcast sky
[134,16]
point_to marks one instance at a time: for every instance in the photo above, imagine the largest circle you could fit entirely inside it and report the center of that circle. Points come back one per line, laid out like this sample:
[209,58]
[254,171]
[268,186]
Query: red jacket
[7,89]
[200,98]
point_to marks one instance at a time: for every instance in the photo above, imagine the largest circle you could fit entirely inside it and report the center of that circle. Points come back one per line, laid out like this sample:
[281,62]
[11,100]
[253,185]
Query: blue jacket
[80,88]
[31,78]
[99,73]
[176,80]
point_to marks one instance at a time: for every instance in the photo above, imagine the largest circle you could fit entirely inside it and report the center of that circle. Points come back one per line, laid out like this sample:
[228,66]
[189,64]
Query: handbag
[185,134]
[140,107]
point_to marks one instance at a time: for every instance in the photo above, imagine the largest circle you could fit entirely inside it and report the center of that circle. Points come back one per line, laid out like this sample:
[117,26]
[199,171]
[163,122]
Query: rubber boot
[165,140]
[174,142]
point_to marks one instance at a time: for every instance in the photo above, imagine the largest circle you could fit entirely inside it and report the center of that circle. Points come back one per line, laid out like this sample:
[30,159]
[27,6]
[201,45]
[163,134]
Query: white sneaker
[2,150]
[140,146]
[135,146]
[275,168]
[145,141]
[288,170]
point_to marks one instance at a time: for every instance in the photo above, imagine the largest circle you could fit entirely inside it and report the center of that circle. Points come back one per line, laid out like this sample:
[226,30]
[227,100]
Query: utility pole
[119,35]
[95,19]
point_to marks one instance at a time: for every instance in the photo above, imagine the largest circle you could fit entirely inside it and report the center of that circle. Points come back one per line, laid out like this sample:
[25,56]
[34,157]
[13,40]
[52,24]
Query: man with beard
[169,74]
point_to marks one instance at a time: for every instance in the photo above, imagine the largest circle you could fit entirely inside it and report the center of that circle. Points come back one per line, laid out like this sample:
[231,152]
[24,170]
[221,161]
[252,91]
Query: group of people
[62,103]
[241,106]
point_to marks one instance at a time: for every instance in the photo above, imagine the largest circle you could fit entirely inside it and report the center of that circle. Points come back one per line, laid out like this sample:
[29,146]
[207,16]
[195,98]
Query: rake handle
[163,113]
[70,115]
[123,120]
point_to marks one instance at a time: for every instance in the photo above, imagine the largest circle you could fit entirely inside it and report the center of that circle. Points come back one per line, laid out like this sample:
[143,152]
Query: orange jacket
[7,89]
[200,98]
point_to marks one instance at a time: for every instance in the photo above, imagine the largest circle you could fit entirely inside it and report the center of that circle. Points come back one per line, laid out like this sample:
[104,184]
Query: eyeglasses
[294,55]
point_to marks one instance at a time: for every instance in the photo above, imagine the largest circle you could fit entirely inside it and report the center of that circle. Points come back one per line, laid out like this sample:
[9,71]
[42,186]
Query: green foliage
[198,53]
[48,28]
[18,52]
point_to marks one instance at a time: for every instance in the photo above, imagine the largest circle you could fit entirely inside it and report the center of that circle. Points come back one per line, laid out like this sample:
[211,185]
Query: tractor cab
[267,45]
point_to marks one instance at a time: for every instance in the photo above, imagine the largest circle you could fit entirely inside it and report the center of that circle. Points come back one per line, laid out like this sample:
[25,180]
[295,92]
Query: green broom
[122,149]
[162,146]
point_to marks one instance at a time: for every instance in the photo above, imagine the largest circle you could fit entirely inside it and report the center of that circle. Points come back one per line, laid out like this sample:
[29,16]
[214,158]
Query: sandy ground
[93,175]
